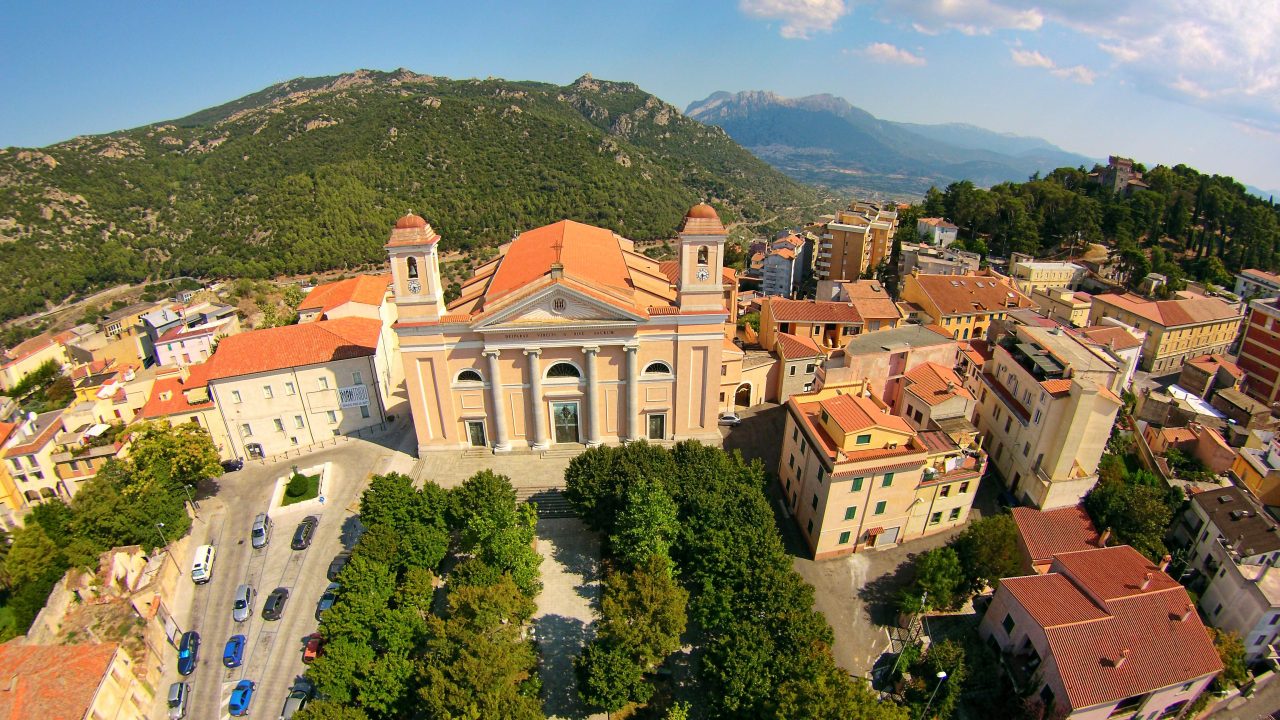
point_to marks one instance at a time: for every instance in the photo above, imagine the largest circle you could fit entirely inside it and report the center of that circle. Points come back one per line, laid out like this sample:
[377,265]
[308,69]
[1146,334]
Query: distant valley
[824,140]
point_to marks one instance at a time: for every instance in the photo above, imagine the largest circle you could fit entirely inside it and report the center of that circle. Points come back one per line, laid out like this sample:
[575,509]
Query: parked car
[306,530]
[179,694]
[232,465]
[730,419]
[327,599]
[242,608]
[273,608]
[233,653]
[260,535]
[335,567]
[241,696]
[188,652]
[313,648]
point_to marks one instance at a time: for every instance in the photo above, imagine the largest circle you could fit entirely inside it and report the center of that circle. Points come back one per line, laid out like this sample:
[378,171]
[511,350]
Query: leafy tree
[988,551]
[646,525]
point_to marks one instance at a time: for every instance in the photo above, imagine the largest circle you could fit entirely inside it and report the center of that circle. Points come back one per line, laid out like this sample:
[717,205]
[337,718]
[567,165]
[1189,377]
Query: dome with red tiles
[703,211]
[410,221]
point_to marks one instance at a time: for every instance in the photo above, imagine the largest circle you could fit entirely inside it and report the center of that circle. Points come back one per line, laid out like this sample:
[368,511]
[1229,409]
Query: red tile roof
[1116,338]
[784,310]
[362,289]
[966,294]
[1144,626]
[1049,532]
[51,682]
[1171,313]
[793,347]
[935,384]
[293,346]
[859,413]
[167,397]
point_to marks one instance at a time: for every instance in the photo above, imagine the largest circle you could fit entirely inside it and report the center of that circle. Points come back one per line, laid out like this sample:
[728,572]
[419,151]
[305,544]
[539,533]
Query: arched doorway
[742,396]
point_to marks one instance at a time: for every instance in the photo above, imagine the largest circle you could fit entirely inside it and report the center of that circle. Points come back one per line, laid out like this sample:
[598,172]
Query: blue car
[240,698]
[233,653]
[188,652]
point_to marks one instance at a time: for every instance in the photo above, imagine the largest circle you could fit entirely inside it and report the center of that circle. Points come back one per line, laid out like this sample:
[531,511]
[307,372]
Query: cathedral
[568,337]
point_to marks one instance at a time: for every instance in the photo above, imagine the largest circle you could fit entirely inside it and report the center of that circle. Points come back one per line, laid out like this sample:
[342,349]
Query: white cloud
[890,54]
[800,18]
[1031,58]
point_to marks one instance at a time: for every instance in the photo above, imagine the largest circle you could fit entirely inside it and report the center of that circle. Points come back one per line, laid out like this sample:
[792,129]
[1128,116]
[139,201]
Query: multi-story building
[72,682]
[1257,285]
[1069,307]
[1046,404]
[856,239]
[26,357]
[831,324]
[569,336]
[1234,545]
[1042,534]
[929,260]
[856,476]
[1103,634]
[281,388]
[1176,329]
[1260,351]
[936,231]
[1032,275]
[964,306]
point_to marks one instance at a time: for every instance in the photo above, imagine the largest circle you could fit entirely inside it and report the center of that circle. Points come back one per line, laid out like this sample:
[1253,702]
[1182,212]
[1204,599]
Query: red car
[313,649]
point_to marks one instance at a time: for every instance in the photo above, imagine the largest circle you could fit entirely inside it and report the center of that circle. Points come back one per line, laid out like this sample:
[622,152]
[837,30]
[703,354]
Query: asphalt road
[273,652]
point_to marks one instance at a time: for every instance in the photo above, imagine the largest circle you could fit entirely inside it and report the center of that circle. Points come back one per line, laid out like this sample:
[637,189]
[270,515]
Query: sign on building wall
[353,396]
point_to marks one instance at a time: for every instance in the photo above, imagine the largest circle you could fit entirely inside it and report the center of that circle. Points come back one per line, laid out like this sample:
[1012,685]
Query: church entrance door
[565,417]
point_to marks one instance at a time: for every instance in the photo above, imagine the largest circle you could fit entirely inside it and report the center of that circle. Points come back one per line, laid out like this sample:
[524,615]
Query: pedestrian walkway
[566,611]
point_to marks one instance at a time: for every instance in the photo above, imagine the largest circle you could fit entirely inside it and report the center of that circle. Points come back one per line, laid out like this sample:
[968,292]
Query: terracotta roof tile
[1049,532]
[784,310]
[964,294]
[52,682]
[793,347]
[362,289]
[293,346]
[935,384]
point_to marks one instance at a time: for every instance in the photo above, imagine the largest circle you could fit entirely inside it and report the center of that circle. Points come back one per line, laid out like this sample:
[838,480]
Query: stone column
[540,440]
[635,430]
[500,441]
[593,397]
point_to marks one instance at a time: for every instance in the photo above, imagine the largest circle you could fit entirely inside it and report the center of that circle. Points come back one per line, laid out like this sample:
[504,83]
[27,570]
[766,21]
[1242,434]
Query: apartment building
[930,260]
[1103,634]
[281,388]
[1176,329]
[856,476]
[1032,275]
[964,306]
[1257,285]
[856,239]
[1234,545]
[1067,306]
[1260,351]
[1046,405]
[92,681]
[936,231]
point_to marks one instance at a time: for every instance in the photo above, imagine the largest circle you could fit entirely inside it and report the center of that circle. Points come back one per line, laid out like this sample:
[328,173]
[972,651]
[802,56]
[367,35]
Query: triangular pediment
[557,305]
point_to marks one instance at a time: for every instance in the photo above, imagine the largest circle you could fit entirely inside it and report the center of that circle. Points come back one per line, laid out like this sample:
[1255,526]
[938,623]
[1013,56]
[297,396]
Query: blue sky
[1193,82]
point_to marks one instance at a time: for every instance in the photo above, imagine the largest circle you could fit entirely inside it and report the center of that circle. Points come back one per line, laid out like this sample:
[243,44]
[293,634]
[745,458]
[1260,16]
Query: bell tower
[415,270]
[700,285]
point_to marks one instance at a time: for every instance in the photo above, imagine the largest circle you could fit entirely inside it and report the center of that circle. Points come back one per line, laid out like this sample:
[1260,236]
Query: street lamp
[194,507]
[942,677]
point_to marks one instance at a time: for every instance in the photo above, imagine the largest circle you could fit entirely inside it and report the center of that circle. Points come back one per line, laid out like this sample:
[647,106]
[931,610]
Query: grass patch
[301,487]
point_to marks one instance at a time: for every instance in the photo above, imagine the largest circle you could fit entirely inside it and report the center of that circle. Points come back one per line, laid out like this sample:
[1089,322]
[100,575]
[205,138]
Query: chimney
[1106,535]
[1146,582]
[1164,562]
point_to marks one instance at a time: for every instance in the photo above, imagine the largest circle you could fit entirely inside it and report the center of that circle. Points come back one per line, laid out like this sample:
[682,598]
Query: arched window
[702,256]
[563,370]
[657,368]
[469,376]
[413,267]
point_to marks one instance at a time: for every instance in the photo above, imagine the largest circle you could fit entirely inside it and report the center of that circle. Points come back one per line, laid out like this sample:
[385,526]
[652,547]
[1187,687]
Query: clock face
[703,274]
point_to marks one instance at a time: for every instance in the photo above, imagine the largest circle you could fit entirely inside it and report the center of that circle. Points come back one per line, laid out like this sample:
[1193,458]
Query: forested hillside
[1187,225]
[309,175]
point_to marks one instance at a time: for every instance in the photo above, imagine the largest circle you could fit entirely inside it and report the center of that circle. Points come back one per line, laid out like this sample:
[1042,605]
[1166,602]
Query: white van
[202,566]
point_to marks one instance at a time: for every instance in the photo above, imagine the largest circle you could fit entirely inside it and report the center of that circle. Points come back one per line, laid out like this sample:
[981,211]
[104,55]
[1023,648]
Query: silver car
[179,693]
[243,606]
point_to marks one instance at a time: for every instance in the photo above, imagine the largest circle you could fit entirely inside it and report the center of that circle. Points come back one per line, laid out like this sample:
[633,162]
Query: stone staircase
[551,501]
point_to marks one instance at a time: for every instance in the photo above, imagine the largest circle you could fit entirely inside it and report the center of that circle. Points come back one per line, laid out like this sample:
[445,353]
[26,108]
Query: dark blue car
[233,653]
[241,696]
[188,652]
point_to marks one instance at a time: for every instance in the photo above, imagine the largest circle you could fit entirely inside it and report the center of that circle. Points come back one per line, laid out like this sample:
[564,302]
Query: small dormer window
[412,266]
